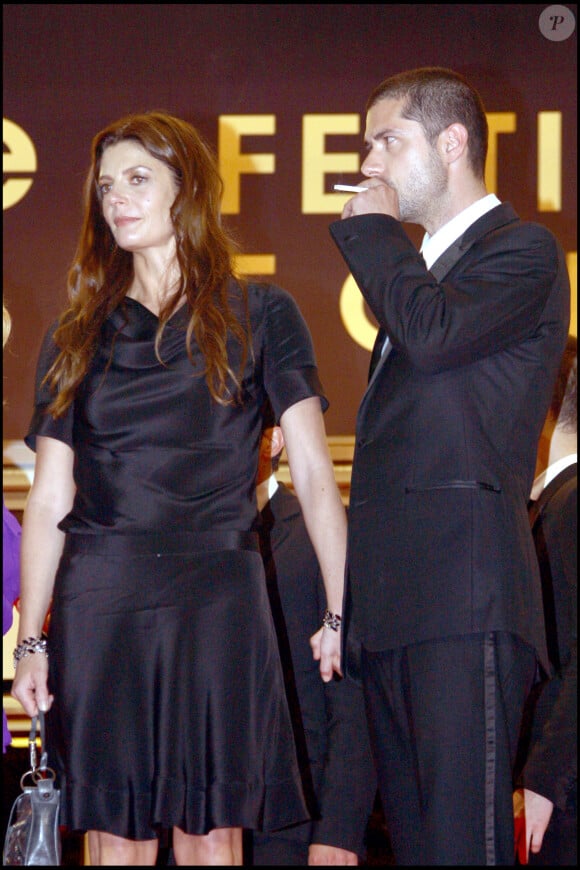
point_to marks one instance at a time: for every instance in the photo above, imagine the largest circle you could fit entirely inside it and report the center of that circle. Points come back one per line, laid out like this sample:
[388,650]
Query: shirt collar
[433,246]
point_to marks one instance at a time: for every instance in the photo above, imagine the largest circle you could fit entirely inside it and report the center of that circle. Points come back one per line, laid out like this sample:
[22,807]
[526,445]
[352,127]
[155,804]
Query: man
[550,744]
[329,718]
[444,580]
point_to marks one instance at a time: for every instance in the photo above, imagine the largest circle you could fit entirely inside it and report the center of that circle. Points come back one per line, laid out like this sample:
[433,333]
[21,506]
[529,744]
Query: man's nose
[371,165]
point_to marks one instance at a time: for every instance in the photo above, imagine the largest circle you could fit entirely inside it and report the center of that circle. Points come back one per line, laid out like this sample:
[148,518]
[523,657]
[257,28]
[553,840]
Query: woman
[162,661]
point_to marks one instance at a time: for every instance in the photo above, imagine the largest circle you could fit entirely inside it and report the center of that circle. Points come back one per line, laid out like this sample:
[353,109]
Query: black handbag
[33,834]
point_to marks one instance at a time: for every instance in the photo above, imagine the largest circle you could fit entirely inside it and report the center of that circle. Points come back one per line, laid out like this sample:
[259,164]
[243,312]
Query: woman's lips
[123,221]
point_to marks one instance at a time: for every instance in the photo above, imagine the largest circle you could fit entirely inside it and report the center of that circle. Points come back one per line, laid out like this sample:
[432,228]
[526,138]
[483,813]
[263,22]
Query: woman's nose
[116,194]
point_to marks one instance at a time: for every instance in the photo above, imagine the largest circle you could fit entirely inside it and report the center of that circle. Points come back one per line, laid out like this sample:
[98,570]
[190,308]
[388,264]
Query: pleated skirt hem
[195,811]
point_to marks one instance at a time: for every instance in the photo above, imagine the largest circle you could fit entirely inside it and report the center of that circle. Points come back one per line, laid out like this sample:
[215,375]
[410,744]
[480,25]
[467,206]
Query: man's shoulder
[504,218]
[502,229]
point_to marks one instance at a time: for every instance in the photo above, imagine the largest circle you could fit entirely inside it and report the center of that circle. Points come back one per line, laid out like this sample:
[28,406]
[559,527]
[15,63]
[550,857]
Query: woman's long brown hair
[101,273]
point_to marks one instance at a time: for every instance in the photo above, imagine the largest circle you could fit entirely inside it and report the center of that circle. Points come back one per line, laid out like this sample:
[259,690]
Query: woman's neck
[154,281]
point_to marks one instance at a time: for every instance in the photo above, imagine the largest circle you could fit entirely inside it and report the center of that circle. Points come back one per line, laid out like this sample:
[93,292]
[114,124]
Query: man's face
[399,155]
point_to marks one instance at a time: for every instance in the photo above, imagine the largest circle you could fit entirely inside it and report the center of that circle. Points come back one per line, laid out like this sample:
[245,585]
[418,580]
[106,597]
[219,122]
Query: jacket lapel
[499,216]
[450,257]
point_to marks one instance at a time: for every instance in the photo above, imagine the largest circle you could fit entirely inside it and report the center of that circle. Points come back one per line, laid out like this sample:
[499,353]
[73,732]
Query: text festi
[20,165]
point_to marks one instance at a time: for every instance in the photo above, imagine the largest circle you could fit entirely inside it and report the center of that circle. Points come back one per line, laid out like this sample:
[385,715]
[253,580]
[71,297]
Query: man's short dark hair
[436,97]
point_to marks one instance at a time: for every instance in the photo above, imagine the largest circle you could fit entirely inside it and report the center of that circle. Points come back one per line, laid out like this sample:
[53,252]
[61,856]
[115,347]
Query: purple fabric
[10,584]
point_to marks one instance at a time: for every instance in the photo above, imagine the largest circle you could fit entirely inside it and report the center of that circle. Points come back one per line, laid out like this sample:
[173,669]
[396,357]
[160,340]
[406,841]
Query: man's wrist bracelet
[29,646]
[331,620]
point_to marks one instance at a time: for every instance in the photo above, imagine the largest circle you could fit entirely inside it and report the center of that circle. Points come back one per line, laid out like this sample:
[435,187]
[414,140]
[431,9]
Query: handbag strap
[36,721]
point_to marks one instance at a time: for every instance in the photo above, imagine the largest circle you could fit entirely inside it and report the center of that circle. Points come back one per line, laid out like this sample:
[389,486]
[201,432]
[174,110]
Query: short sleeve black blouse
[153,451]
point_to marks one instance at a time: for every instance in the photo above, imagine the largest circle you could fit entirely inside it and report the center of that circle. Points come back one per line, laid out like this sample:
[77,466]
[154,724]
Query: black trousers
[444,719]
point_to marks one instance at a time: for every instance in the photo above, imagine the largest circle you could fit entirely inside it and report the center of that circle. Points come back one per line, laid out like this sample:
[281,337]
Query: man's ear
[453,142]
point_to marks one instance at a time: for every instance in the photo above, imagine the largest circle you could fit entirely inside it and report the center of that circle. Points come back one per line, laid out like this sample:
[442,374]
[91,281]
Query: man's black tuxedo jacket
[448,429]
[329,718]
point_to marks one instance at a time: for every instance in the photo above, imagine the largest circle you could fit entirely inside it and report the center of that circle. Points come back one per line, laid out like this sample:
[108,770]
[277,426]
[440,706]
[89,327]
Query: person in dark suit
[443,577]
[549,778]
[328,718]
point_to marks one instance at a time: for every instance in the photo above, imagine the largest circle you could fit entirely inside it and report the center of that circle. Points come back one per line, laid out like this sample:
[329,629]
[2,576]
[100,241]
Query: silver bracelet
[29,646]
[331,620]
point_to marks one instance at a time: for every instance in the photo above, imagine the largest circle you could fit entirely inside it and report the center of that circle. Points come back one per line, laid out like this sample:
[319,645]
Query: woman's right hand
[50,499]
[30,684]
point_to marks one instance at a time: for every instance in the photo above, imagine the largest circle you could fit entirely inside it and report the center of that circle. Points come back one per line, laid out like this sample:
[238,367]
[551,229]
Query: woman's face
[137,194]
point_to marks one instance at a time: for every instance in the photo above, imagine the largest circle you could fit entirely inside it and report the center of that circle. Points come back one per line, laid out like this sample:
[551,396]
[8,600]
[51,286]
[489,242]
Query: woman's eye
[104,188]
[138,179]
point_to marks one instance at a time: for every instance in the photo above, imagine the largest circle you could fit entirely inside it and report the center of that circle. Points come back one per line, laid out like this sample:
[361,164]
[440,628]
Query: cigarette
[350,188]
